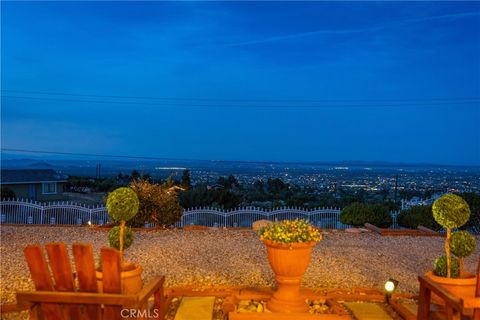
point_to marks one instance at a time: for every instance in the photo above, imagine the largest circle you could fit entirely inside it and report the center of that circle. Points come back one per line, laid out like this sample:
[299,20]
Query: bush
[451,211]
[463,244]
[440,267]
[357,214]
[158,204]
[7,193]
[114,238]
[418,216]
[473,200]
[122,204]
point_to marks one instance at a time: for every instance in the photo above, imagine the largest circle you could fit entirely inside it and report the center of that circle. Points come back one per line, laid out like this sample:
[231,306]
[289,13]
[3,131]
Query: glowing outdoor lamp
[390,287]
[89,222]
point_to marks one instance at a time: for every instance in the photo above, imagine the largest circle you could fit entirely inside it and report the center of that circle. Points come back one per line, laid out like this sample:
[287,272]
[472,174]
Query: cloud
[355,30]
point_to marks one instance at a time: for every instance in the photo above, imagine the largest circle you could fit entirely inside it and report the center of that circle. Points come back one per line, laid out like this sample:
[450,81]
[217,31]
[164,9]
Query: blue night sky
[311,81]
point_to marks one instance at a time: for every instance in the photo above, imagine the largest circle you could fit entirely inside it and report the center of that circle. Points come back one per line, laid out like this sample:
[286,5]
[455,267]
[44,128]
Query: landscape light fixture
[89,222]
[390,287]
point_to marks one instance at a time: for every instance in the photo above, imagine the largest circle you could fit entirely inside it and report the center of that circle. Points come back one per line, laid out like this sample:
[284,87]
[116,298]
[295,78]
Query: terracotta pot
[463,287]
[289,262]
[131,277]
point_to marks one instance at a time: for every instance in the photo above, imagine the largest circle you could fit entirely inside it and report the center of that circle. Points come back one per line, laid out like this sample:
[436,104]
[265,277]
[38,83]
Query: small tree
[463,245]
[122,205]
[158,203]
[186,182]
[450,211]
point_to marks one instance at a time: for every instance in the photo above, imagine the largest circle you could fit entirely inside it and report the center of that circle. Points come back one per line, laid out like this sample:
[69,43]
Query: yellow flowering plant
[290,231]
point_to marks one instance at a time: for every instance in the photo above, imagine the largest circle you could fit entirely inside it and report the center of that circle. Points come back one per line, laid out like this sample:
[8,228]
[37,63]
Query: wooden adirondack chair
[69,296]
[455,307]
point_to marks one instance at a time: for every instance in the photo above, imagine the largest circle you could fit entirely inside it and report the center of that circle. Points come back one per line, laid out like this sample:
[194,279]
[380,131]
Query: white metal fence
[328,218]
[28,212]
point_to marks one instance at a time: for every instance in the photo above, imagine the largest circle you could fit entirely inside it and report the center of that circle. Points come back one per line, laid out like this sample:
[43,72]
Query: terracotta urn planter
[131,276]
[289,262]
[463,287]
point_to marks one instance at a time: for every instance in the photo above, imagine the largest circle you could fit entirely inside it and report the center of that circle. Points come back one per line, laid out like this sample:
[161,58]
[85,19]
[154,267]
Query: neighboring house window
[49,188]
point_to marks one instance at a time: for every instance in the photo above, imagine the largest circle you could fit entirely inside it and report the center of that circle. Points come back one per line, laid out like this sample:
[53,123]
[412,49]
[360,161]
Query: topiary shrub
[441,270]
[450,211]
[462,244]
[114,237]
[418,216]
[122,205]
[357,214]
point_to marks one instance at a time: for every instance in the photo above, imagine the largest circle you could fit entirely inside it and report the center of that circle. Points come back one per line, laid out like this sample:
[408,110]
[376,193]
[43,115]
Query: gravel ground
[238,258]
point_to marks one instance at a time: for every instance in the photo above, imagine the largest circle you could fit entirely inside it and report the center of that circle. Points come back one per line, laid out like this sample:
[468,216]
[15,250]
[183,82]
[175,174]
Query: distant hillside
[26,164]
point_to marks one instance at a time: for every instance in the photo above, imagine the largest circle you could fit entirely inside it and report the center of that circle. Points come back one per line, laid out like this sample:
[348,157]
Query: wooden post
[424,298]
[122,232]
[447,251]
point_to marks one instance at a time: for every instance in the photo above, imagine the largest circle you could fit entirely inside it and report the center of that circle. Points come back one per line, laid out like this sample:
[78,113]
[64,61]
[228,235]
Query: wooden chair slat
[43,282]
[63,275]
[85,267]
[60,265]
[111,269]
[86,276]
[38,268]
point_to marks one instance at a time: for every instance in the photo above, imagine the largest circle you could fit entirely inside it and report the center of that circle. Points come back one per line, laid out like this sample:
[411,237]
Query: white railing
[68,213]
[29,212]
[328,218]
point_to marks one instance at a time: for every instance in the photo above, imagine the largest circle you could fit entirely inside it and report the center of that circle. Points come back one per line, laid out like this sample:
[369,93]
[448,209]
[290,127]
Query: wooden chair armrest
[149,289]
[471,303]
[454,301]
[26,299]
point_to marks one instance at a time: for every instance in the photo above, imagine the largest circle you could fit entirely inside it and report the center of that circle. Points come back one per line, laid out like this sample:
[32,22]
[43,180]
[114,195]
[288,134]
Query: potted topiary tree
[289,247]
[451,212]
[122,205]
[462,245]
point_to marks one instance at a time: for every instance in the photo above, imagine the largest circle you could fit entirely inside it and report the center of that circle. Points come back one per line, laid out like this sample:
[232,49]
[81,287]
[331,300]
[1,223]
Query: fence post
[41,213]
[90,211]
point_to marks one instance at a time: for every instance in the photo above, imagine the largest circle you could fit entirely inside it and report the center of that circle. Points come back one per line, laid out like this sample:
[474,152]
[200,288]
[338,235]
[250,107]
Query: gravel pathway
[238,258]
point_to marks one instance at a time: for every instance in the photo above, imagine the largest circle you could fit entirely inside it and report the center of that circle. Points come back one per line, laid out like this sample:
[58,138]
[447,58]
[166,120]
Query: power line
[84,154]
[324,105]
[239,100]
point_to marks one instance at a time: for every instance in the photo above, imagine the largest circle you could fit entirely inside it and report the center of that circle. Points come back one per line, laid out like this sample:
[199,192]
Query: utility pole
[98,170]
[396,186]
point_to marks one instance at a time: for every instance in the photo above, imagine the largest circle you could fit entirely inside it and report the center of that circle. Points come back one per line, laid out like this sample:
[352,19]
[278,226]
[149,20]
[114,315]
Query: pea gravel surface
[237,257]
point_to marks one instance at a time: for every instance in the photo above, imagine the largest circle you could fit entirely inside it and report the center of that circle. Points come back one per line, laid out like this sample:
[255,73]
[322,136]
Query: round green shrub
[122,204]
[114,238]
[451,211]
[357,214]
[418,216]
[440,267]
[463,244]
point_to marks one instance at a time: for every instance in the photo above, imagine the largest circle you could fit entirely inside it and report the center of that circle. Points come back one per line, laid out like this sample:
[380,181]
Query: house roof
[30,176]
